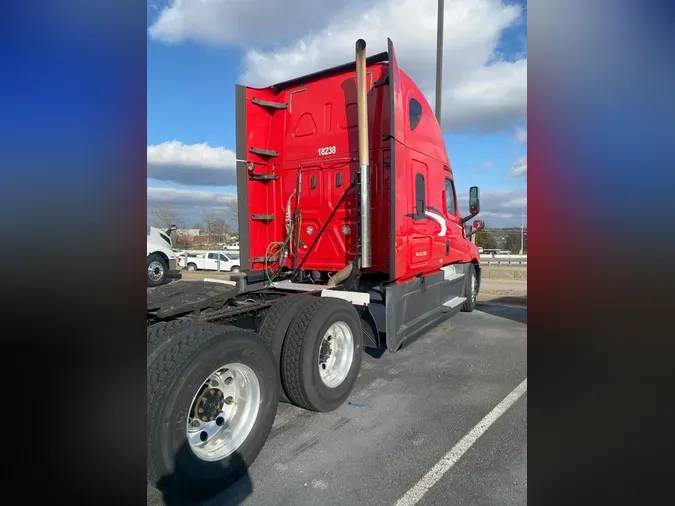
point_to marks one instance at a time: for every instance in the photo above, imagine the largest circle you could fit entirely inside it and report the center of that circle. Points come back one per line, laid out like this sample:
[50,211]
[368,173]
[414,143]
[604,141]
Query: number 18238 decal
[328,150]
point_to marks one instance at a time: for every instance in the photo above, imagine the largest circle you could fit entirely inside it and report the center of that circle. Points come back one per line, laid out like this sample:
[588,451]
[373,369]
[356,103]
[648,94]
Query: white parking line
[416,493]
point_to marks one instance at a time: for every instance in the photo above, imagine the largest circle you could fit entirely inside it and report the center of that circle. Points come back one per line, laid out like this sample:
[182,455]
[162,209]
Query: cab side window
[450,201]
[415,113]
[420,197]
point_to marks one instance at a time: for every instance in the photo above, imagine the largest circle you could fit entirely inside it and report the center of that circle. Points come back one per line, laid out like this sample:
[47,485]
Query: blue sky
[197,51]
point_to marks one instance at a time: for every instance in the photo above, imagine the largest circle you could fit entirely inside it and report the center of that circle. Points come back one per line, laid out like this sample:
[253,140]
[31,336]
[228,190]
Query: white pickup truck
[208,261]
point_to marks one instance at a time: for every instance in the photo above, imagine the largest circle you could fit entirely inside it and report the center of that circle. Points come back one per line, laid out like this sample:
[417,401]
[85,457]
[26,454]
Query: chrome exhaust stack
[364,158]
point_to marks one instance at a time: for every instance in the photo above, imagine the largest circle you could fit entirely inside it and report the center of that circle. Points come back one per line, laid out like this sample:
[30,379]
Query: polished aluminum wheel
[223,412]
[155,271]
[336,354]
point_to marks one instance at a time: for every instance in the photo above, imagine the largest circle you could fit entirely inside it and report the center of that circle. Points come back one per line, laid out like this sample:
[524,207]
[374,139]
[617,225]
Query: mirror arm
[462,221]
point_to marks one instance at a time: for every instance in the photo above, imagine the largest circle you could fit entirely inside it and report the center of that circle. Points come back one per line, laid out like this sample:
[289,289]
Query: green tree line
[486,239]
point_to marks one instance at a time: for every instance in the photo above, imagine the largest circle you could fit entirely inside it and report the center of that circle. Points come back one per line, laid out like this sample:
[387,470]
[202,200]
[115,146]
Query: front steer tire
[471,295]
[160,267]
[301,350]
[180,358]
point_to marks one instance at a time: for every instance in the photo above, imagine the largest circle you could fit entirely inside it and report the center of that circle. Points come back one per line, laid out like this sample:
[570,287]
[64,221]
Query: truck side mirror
[474,205]
[474,201]
[475,227]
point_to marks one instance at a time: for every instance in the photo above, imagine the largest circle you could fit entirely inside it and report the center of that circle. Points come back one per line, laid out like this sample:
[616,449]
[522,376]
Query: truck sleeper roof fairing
[339,69]
[300,135]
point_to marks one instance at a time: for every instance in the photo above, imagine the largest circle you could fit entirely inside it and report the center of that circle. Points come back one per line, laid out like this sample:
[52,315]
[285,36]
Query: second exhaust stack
[364,158]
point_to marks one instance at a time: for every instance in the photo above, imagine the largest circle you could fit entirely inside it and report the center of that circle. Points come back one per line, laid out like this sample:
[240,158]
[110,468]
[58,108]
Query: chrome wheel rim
[223,412]
[155,270]
[336,353]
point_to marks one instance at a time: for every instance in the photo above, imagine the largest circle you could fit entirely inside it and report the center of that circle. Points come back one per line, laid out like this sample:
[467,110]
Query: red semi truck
[350,237]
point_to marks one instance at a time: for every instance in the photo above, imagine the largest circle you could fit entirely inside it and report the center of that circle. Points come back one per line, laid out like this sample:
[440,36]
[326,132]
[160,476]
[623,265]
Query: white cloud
[189,197]
[499,208]
[240,23]
[486,166]
[521,135]
[484,215]
[189,205]
[519,167]
[482,93]
[195,164]
[515,203]
[490,99]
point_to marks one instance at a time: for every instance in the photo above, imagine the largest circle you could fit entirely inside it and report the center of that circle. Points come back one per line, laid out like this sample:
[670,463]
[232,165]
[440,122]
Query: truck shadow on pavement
[503,308]
[234,495]
[374,352]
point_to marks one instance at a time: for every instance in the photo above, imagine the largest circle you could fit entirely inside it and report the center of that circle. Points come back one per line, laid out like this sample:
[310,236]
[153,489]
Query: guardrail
[503,262]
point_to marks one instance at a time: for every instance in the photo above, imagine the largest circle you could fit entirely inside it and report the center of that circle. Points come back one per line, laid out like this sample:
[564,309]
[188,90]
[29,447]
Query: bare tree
[233,213]
[221,229]
[182,241]
[164,215]
[215,227]
[209,223]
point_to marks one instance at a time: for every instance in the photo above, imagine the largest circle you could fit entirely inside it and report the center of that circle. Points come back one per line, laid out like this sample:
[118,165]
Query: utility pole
[439,58]
[522,229]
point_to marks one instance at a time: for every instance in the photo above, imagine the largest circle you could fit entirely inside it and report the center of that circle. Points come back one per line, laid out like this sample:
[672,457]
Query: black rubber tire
[236,268]
[470,302]
[180,356]
[159,335]
[275,325]
[299,370]
[154,257]
[192,264]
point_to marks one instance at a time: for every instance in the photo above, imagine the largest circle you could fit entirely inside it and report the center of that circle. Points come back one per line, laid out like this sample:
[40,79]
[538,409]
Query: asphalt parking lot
[416,431]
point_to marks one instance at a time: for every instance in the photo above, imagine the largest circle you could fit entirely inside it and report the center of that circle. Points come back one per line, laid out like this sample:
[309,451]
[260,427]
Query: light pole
[439,59]
[522,229]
